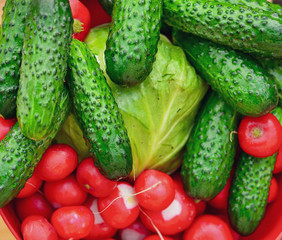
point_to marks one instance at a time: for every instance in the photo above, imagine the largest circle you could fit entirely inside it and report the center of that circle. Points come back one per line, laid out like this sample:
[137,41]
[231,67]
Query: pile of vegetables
[137,124]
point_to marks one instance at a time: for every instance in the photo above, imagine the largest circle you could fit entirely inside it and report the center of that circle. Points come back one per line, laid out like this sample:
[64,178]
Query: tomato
[120,208]
[175,218]
[260,136]
[73,222]
[278,163]
[92,181]
[273,190]
[32,185]
[155,190]
[5,126]
[100,229]
[200,207]
[208,227]
[220,201]
[37,227]
[64,192]
[58,161]
[82,20]
[157,237]
[35,204]
[136,231]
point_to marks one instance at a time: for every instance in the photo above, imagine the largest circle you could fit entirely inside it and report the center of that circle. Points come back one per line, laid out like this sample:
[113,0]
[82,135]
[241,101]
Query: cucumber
[11,43]
[44,65]
[235,25]
[19,154]
[262,5]
[236,76]
[249,192]
[132,42]
[209,153]
[98,114]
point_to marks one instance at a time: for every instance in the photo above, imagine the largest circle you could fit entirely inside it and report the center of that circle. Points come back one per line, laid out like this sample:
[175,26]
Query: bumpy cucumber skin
[235,25]
[237,77]
[19,154]
[11,43]
[209,153]
[249,192]
[132,42]
[44,65]
[98,113]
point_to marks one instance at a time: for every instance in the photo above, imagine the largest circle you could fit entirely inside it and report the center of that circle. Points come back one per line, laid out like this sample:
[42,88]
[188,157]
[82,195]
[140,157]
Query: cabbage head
[158,113]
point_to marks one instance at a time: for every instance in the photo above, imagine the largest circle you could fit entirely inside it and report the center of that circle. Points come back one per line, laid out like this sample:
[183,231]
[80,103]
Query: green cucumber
[11,43]
[132,42]
[210,150]
[44,65]
[249,192]
[98,113]
[19,154]
[236,76]
[238,26]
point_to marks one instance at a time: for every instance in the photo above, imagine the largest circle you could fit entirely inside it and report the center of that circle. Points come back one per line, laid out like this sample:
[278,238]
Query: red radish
[135,231]
[65,192]
[58,161]
[82,20]
[225,218]
[35,204]
[155,190]
[278,163]
[73,222]
[273,190]
[200,207]
[208,227]
[175,218]
[260,136]
[120,208]
[100,229]
[31,186]
[37,227]
[5,126]
[92,181]
[157,237]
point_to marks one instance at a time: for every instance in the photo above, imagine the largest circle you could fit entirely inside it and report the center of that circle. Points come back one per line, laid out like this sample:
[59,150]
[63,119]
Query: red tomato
[200,207]
[37,227]
[157,237]
[82,20]
[155,190]
[273,190]
[65,192]
[73,222]
[120,208]
[35,204]
[175,218]
[32,185]
[208,227]
[136,231]
[58,161]
[278,163]
[5,126]
[92,181]
[260,136]
[100,229]
[221,200]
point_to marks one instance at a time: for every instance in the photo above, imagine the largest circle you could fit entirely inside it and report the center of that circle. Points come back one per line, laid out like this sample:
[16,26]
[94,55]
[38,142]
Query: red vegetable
[82,20]
[260,136]
[273,190]
[278,163]
[157,237]
[73,222]
[58,161]
[31,186]
[92,181]
[200,207]
[136,231]
[37,227]
[5,126]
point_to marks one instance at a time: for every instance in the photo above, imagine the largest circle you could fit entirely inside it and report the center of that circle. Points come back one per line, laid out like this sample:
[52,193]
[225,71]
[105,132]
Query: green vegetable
[235,25]
[160,112]
[98,113]
[210,151]
[237,77]
[132,41]
[44,65]
[11,43]
[19,154]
